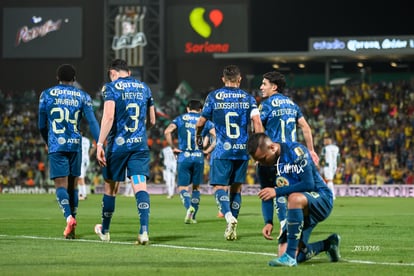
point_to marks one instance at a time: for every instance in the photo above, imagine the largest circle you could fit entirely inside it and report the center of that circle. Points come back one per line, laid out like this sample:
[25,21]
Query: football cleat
[71,235]
[70,227]
[189,216]
[284,260]
[143,238]
[230,233]
[98,231]
[333,250]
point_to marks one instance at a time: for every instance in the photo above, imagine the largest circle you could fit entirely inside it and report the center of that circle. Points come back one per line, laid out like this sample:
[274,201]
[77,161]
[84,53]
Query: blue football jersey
[279,116]
[61,109]
[132,100]
[186,132]
[229,108]
[296,172]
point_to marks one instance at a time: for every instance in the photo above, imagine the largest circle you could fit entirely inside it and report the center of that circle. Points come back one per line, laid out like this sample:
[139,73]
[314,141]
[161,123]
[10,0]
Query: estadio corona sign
[200,30]
[361,44]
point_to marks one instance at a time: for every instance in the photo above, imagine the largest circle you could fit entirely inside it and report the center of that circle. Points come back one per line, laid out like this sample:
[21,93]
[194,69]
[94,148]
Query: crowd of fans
[371,123]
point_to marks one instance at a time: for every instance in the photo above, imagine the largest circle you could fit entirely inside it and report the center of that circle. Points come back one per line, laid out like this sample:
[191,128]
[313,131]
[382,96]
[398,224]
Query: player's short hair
[195,105]
[276,78]
[257,140]
[66,72]
[231,73]
[119,65]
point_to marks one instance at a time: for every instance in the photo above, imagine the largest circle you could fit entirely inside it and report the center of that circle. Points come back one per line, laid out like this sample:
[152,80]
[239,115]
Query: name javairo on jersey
[279,116]
[296,172]
[229,108]
[186,132]
[64,106]
[132,100]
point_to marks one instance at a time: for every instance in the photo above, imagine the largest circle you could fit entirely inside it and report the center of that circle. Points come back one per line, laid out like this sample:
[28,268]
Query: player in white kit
[86,152]
[170,169]
[331,157]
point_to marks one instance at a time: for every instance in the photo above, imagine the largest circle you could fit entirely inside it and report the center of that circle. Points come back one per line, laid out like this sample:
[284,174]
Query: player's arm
[42,125]
[200,125]
[93,123]
[151,119]
[211,139]
[168,136]
[42,120]
[305,183]
[257,123]
[106,125]
[199,129]
[307,134]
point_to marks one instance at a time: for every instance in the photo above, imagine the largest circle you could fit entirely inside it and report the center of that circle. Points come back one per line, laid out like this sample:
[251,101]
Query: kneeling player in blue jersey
[309,200]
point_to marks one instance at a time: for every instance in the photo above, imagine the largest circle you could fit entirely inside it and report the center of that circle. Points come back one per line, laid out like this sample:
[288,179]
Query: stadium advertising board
[47,32]
[353,45]
[252,190]
[198,30]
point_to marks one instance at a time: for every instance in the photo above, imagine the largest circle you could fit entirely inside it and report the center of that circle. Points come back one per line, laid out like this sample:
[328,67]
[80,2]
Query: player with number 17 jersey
[129,131]
[234,107]
[279,116]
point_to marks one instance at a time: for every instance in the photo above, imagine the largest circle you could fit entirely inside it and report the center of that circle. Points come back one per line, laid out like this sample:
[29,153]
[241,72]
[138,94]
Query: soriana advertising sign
[200,30]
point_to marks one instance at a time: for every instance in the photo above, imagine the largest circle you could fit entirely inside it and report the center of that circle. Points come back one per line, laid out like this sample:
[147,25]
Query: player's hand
[315,158]
[267,193]
[267,231]
[176,150]
[100,155]
[199,141]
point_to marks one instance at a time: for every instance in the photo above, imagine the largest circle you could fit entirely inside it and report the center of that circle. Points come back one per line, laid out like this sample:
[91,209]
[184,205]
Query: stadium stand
[372,124]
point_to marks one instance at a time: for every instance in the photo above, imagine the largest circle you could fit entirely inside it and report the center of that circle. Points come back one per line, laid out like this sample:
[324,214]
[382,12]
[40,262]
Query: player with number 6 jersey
[233,112]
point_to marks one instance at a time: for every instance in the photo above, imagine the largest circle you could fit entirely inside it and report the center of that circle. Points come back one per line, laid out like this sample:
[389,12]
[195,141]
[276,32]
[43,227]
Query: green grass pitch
[377,239]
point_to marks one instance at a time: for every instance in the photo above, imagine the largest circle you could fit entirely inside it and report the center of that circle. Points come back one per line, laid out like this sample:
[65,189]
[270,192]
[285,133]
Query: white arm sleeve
[254,112]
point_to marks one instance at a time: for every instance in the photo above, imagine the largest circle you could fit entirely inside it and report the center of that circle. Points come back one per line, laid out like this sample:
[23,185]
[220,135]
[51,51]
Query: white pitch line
[197,249]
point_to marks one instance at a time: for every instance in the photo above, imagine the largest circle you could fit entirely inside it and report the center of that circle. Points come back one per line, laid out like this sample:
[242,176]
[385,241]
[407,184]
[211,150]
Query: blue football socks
[143,205]
[108,208]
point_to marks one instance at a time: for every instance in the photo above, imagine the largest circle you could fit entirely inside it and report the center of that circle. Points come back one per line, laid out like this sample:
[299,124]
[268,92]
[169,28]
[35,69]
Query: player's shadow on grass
[160,239]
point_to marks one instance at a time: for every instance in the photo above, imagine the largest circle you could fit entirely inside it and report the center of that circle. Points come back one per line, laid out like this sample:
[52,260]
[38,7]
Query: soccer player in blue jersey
[61,109]
[190,157]
[280,117]
[128,111]
[309,200]
[232,110]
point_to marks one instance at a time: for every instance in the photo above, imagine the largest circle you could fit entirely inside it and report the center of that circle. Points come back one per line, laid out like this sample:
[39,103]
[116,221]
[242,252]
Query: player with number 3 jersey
[128,110]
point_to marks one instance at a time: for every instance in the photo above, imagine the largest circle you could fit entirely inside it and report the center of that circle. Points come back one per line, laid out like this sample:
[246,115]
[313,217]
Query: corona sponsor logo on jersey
[279,102]
[205,29]
[226,95]
[57,92]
